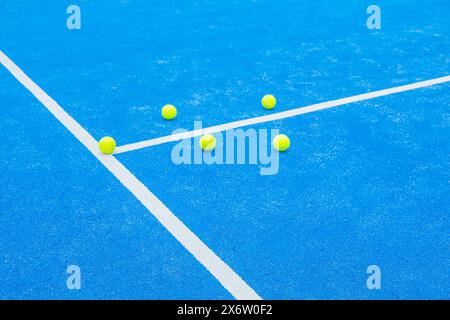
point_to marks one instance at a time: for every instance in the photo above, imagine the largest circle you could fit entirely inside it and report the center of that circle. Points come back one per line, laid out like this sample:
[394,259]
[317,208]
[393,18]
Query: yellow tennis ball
[281,142]
[107,145]
[268,101]
[207,142]
[169,112]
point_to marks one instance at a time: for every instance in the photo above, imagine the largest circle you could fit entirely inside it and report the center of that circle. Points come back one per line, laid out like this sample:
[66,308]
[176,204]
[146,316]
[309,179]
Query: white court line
[218,268]
[279,115]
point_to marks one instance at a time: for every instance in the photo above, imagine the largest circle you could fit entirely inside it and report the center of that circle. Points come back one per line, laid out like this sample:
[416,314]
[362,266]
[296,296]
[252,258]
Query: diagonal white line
[229,279]
[279,115]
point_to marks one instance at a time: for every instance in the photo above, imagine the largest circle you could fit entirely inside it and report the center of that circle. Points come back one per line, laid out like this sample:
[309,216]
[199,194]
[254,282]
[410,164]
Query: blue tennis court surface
[363,184]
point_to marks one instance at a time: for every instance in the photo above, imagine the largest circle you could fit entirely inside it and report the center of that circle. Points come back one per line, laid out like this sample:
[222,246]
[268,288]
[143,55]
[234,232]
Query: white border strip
[218,268]
[279,115]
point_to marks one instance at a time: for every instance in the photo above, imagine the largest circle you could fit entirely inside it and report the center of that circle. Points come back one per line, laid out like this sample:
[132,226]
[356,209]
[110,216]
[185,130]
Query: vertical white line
[229,279]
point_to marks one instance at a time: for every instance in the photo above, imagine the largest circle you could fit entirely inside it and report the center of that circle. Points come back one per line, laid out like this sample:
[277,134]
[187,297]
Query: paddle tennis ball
[268,101]
[281,142]
[207,142]
[169,112]
[107,145]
